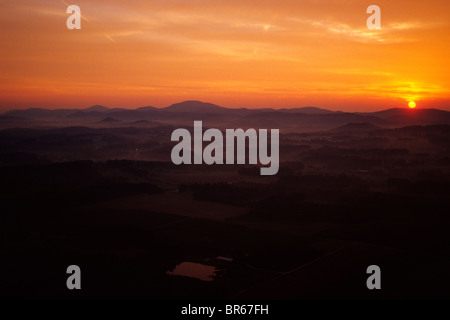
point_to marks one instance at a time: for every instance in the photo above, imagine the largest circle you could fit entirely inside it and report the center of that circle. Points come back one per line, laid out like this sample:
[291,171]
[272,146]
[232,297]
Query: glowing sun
[412,104]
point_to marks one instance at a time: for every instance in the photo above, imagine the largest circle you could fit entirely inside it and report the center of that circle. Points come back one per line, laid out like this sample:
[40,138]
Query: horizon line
[217,105]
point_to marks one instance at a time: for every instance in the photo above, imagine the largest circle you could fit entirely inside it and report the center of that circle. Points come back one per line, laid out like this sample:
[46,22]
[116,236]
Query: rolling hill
[184,113]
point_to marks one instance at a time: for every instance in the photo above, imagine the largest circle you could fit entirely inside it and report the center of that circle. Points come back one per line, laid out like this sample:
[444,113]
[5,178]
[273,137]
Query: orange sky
[235,53]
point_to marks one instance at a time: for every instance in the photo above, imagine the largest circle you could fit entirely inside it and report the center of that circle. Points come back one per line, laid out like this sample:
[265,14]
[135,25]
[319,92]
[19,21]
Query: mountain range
[184,113]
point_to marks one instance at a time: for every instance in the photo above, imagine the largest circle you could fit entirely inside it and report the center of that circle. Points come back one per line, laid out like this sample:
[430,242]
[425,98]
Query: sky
[234,53]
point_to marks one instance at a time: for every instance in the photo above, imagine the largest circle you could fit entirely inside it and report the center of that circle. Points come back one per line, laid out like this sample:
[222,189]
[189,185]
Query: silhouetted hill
[194,107]
[406,116]
[6,118]
[184,113]
[308,110]
[97,108]
[87,115]
[302,121]
[357,126]
[109,120]
[146,108]
[145,123]
[39,113]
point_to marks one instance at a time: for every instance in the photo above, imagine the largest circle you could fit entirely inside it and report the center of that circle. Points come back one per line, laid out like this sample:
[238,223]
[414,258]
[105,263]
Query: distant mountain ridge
[357,127]
[184,113]
[195,106]
[97,108]
[109,120]
[189,106]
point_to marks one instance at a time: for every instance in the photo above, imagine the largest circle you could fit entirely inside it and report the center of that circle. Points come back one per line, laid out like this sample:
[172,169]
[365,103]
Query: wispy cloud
[384,35]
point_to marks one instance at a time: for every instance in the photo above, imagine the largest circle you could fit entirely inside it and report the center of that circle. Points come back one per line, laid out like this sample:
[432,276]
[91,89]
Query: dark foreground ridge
[108,199]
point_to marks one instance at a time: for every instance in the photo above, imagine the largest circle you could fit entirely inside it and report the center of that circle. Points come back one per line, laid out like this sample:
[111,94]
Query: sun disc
[412,104]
